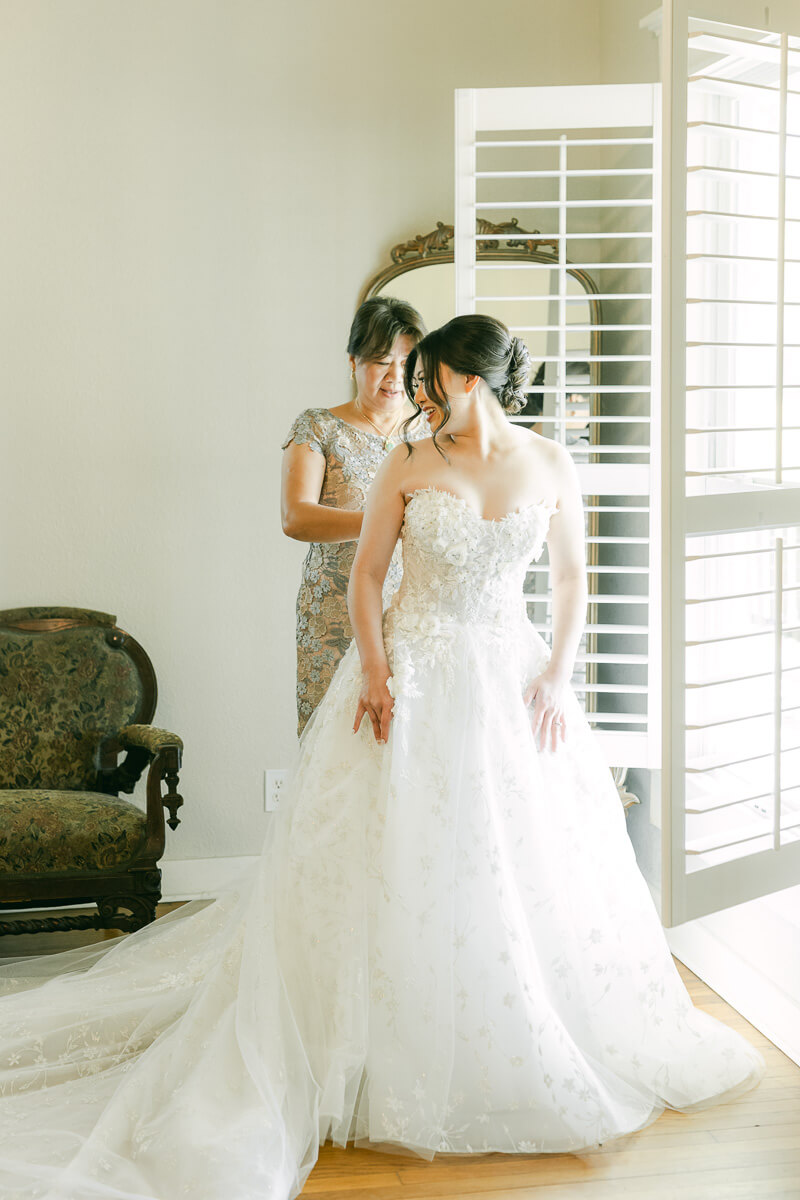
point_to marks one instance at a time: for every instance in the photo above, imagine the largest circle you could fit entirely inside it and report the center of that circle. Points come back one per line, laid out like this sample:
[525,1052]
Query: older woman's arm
[382,521]
[302,515]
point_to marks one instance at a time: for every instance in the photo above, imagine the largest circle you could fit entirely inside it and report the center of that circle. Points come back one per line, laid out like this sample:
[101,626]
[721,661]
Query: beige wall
[195,192]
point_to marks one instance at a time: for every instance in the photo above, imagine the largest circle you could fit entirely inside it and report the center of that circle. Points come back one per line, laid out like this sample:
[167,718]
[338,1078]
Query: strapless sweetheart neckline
[514,512]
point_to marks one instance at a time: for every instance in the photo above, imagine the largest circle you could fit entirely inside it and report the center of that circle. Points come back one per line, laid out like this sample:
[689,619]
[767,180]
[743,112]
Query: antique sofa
[77,695]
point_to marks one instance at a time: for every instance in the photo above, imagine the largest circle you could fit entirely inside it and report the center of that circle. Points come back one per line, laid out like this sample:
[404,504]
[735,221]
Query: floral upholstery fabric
[149,737]
[44,832]
[61,693]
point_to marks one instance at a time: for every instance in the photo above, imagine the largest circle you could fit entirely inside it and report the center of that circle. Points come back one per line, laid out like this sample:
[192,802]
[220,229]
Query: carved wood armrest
[149,738]
[163,751]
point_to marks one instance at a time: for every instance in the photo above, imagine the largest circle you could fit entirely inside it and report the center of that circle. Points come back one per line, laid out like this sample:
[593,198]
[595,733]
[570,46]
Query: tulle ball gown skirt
[446,944]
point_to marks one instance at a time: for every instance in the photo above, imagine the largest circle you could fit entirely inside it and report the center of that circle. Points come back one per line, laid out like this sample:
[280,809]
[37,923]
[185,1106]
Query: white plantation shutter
[732,550]
[693,507]
[576,164]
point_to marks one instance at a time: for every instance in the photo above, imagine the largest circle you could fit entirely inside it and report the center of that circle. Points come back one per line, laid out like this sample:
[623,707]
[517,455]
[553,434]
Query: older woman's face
[381,380]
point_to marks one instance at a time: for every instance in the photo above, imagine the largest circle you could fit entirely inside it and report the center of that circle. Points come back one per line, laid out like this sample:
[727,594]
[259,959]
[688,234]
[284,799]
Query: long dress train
[446,944]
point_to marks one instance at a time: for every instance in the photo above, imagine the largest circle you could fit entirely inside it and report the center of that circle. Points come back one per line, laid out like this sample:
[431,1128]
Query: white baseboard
[747,989]
[201,878]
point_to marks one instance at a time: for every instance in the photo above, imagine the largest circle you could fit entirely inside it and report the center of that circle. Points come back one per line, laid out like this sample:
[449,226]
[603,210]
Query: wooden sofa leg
[126,913]
[131,911]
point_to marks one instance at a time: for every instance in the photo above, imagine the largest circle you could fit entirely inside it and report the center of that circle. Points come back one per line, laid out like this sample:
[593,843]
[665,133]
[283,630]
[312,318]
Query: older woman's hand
[546,695]
[375,702]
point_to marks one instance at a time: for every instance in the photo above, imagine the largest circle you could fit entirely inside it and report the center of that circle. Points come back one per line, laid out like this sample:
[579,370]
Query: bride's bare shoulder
[416,456]
[551,465]
[407,464]
[544,451]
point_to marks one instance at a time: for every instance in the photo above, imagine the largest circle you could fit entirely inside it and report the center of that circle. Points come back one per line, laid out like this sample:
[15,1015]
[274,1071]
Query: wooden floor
[746,1150]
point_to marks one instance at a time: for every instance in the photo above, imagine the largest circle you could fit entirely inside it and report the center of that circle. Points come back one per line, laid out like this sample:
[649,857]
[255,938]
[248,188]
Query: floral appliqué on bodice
[460,570]
[462,567]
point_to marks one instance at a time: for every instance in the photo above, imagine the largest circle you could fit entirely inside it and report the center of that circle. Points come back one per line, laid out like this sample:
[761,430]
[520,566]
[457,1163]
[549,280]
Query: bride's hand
[546,694]
[376,702]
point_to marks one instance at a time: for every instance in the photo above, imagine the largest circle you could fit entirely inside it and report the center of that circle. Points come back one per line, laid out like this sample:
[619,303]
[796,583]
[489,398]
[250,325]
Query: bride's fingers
[537,722]
[360,711]
[544,732]
[386,718]
[557,729]
[547,721]
[376,724]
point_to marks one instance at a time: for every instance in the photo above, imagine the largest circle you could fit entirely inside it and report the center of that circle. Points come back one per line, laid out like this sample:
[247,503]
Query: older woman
[330,458]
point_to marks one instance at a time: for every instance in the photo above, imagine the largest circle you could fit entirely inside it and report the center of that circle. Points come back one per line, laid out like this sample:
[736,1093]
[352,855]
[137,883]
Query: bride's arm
[567,552]
[383,518]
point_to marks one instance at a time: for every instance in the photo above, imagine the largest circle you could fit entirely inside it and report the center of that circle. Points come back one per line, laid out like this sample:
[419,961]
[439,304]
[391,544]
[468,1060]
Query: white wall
[194,193]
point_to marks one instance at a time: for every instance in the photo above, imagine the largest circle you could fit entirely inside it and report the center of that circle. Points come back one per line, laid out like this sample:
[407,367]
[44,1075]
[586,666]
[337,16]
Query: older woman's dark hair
[379,322]
[474,344]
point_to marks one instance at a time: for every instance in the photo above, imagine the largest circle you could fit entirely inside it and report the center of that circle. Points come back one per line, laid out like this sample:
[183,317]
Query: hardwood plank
[748,1149]
[758,1134]
[716,1185]
[722,1184]
[438,1181]
[752,1118]
[644,1162]
[351,1185]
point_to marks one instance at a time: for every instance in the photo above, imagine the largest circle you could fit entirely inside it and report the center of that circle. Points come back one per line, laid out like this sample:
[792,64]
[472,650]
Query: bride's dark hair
[470,345]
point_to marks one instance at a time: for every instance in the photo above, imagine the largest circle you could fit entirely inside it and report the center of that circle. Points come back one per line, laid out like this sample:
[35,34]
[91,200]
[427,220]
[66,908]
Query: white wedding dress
[446,945]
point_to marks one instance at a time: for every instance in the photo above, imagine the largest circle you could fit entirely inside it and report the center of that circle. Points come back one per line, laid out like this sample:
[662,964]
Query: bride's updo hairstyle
[470,345]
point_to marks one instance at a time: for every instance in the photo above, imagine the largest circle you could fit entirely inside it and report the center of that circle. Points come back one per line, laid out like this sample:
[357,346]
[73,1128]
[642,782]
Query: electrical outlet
[273,789]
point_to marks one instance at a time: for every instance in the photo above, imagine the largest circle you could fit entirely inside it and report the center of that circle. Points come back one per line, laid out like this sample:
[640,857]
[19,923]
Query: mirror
[501,252]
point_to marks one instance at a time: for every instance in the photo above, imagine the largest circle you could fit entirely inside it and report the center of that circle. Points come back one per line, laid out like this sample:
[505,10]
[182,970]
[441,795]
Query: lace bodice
[461,567]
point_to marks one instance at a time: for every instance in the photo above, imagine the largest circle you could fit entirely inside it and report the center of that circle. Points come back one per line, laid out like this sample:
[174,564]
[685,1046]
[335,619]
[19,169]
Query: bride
[446,945]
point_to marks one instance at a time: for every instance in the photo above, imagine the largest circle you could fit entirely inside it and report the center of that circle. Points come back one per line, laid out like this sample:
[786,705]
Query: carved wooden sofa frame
[119,873]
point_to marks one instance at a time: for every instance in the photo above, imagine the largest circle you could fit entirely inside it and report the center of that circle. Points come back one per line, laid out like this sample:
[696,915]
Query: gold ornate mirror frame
[521,246]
